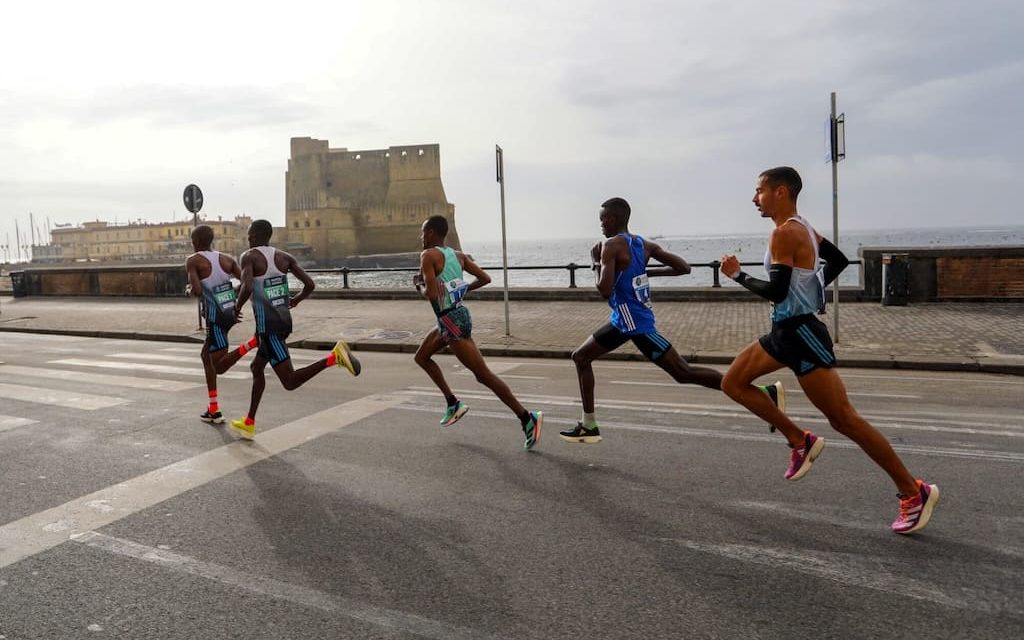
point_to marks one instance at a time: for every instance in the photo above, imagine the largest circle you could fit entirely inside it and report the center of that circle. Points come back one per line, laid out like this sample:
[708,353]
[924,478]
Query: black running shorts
[653,345]
[801,343]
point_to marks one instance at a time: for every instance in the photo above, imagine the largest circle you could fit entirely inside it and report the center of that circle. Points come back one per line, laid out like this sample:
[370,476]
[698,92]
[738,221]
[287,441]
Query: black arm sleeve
[834,259]
[775,289]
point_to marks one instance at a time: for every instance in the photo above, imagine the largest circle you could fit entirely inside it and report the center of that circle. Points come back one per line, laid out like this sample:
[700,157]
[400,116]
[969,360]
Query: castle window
[307,223]
[421,152]
[405,153]
[359,157]
[296,224]
[318,223]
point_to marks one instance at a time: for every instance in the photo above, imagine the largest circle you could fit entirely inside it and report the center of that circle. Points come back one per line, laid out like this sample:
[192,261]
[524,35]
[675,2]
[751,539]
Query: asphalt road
[353,515]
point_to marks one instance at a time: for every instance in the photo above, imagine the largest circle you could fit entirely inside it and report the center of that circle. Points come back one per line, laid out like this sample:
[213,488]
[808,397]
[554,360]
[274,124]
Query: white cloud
[109,109]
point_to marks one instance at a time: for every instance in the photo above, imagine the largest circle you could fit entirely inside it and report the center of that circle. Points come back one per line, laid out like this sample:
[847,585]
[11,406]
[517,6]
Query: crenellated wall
[343,203]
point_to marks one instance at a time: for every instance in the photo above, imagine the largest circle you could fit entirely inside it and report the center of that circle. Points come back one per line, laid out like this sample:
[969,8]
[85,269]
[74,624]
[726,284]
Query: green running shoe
[532,429]
[454,412]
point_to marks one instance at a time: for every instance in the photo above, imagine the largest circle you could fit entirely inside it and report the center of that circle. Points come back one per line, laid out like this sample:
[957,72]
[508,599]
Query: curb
[906,363]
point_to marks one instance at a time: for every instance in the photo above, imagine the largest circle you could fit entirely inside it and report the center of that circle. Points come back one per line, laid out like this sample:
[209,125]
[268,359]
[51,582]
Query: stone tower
[347,203]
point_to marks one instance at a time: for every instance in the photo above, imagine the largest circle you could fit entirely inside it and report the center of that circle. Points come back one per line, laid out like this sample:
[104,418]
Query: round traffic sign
[193,198]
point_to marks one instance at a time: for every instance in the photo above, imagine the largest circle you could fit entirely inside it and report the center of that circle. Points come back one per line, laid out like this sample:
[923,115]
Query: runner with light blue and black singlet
[271,301]
[441,280]
[800,264]
[218,301]
[265,272]
[209,279]
[623,278]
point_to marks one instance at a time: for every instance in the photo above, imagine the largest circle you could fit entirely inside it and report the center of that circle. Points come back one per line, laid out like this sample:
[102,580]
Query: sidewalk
[941,336]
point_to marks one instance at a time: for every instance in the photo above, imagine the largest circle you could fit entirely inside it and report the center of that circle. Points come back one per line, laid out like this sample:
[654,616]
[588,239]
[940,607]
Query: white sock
[589,420]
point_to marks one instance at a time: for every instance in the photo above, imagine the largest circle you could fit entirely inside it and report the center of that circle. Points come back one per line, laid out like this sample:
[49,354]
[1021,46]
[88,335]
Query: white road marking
[510,376]
[863,394]
[197,370]
[742,433]
[13,422]
[938,425]
[44,530]
[70,399]
[982,378]
[859,570]
[304,596]
[143,358]
[88,377]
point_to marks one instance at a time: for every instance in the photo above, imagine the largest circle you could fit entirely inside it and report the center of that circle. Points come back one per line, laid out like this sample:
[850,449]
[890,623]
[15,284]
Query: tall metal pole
[500,159]
[835,214]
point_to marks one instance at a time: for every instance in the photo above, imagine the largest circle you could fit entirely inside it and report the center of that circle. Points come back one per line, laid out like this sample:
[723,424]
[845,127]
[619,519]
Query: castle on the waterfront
[345,203]
[338,204]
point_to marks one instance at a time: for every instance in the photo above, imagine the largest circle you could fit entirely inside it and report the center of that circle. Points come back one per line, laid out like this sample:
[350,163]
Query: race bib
[275,289]
[642,290]
[456,290]
[224,296]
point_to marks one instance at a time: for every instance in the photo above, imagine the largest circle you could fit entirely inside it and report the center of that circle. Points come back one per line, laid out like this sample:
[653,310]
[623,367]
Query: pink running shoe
[800,460]
[916,511]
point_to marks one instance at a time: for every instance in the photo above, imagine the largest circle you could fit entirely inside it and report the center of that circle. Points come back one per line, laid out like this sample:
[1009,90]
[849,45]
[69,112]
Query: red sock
[249,420]
[247,346]
[332,360]
[214,407]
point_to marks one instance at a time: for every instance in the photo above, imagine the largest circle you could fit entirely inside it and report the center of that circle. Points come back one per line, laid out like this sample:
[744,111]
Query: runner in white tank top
[209,275]
[800,341]
[265,273]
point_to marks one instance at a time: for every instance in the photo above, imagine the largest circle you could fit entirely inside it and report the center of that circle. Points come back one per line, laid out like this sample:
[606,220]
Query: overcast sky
[108,109]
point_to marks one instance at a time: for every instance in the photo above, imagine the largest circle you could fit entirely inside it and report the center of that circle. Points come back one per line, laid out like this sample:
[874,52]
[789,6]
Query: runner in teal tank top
[441,281]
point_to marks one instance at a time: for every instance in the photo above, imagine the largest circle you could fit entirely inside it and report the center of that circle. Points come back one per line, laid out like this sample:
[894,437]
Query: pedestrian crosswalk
[78,374]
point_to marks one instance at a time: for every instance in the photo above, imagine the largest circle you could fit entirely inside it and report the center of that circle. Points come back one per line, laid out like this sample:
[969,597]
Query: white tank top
[806,286]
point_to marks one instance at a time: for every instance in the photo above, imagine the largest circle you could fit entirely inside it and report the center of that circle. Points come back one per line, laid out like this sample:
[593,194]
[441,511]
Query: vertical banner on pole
[499,158]
[837,151]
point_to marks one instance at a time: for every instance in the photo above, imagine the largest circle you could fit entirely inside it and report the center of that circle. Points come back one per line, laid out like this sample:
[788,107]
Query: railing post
[344,277]
[715,265]
[572,274]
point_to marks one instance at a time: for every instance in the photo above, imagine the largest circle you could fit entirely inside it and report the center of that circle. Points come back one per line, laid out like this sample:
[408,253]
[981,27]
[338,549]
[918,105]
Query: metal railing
[572,268]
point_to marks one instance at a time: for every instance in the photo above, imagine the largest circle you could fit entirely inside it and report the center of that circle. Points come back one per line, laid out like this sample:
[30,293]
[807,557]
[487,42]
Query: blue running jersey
[631,297]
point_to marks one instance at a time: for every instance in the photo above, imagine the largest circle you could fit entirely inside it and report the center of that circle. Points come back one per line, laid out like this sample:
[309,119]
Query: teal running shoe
[532,429]
[454,412]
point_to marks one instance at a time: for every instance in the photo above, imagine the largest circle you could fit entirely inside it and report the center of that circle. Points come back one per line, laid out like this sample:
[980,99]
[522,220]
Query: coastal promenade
[938,336]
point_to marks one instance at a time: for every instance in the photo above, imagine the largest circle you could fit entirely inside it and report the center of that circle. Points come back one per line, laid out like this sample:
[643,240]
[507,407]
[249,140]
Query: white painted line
[737,412]
[13,422]
[44,530]
[863,394]
[863,571]
[143,357]
[70,399]
[88,377]
[981,378]
[14,336]
[197,370]
[743,433]
[304,596]
[510,376]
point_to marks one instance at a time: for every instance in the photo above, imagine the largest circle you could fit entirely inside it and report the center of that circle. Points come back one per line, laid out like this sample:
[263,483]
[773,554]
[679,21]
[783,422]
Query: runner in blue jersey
[441,281]
[800,264]
[265,278]
[623,277]
[209,279]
